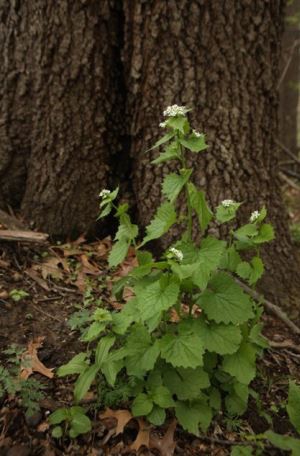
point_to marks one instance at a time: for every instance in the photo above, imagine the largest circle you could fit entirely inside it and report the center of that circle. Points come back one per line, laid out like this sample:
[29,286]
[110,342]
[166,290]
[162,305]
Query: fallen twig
[24,236]
[289,181]
[285,344]
[287,151]
[271,307]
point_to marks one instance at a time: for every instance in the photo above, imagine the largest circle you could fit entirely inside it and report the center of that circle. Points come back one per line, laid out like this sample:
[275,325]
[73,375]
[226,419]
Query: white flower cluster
[197,134]
[227,203]
[254,216]
[163,124]
[175,110]
[104,193]
[177,253]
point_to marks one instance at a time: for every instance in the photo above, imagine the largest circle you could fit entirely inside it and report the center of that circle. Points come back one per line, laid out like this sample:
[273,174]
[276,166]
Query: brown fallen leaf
[43,427]
[30,362]
[166,445]
[121,416]
[88,267]
[53,267]
[143,437]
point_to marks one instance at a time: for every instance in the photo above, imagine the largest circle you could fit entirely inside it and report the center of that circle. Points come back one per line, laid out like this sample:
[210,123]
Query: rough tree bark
[222,60]
[289,81]
[15,117]
[75,124]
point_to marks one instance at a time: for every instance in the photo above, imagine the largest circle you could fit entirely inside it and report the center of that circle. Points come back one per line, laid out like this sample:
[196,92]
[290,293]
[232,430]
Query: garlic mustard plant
[187,340]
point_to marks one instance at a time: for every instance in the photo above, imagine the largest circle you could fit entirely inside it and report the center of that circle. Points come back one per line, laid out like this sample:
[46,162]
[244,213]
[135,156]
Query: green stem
[188,200]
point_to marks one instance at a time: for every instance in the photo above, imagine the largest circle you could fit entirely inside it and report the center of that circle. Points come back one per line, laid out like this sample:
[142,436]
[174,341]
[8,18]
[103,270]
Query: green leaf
[162,396]
[162,140]
[284,442]
[178,123]
[194,142]
[225,214]
[241,451]
[293,405]
[174,183]
[102,349]
[80,424]
[209,257]
[191,416]
[142,405]
[243,270]
[144,257]
[241,364]
[230,259]
[225,301]
[251,271]
[127,231]
[122,320]
[215,399]
[76,365]
[237,400]
[256,337]
[84,382]
[186,383]
[265,234]
[94,330]
[157,416]
[149,358]
[219,338]
[60,415]
[57,432]
[110,370]
[185,350]
[156,298]
[246,232]
[171,152]
[199,204]
[118,252]
[164,218]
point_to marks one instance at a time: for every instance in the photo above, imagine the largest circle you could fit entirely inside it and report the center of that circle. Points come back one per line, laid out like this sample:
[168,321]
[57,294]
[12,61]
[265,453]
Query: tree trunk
[76,118]
[222,60]
[289,83]
[15,118]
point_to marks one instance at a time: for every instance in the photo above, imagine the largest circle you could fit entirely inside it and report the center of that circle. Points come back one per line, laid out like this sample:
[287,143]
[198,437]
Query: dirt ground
[57,279]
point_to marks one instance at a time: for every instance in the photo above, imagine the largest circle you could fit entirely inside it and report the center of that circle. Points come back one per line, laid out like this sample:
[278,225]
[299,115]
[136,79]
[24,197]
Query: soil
[59,278]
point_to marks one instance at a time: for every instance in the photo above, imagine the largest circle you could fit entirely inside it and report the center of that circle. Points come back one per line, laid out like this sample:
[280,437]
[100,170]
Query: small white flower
[104,193]
[254,216]
[197,134]
[175,110]
[177,253]
[227,203]
[163,124]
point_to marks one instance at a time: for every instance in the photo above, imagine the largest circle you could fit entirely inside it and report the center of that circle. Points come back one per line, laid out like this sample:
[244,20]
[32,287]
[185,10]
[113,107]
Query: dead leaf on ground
[88,267]
[53,267]
[30,362]
[122,417]
[43,427]
[166,445]
[143,437]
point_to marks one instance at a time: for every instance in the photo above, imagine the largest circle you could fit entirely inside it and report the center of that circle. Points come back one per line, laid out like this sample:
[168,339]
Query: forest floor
[59,280]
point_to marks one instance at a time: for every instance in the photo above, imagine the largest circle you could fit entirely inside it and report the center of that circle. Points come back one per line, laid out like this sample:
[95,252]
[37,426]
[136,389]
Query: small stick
[271,307]
[23,236]
[287,151]
[46,313]
[289,181]
[285,344]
